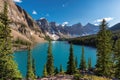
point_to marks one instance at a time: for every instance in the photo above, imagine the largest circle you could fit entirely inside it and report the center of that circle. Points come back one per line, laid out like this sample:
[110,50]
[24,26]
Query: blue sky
[73,11]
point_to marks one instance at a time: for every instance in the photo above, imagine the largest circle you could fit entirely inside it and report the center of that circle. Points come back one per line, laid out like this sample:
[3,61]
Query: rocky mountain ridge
[55,31]
[115,27]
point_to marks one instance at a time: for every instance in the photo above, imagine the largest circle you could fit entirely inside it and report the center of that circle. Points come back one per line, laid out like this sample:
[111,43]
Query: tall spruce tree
[56,71]
[82,61]
[33,66]
[30,73]
[71,62]
[104,50]
[76,62]
[89,64]
[45,74]
[117,58]
[50,63]
[8,67]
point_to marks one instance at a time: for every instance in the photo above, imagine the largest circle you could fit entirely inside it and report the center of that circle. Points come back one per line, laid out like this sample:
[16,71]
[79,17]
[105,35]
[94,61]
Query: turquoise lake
[60,51]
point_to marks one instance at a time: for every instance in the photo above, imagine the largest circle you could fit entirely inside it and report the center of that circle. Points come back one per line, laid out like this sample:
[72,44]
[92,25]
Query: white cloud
[96,24]
[107,19]
[42,18]
[65,23]
[34,12]
[18,1]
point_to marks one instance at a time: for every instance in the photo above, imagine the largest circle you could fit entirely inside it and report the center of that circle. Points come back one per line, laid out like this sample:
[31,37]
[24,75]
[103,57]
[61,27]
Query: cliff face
[22,25]
[52,30]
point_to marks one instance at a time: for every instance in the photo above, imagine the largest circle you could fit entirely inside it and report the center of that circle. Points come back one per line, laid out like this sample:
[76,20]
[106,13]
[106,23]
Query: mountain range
[56,31]
[115,27]
[25,28]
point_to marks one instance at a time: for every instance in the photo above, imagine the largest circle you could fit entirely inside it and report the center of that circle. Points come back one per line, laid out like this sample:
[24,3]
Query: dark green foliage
[117,58]
[30,72]
[76,62]
[82,61]
[71,62]
[61,68]
[89,64]
[8,68]
[56,71]
[77,76]
[33,66]
[104,50]
[21,42]
[50,63]
[45,74]
[91,40]
[47,38]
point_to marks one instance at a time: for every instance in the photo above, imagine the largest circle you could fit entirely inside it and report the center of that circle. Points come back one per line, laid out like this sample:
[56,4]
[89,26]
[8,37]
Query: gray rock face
[67,31]
[115,27]
[52,29]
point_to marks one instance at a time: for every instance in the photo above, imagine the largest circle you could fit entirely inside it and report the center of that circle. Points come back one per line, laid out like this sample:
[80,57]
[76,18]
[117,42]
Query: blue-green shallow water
[60,52]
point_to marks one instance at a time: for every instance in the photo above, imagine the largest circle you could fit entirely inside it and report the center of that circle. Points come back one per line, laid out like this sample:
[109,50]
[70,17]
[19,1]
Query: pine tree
[76,62]
[30,73]
[8,67]
[50,64]
[89,64]
[82,61]
[61,68]
[117,58]
[71,62]
[56,71]
[45,74]
[104,50]
[33,66]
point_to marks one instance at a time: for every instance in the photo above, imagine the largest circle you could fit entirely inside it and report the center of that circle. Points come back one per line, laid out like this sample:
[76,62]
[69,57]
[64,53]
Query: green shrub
[22,42]
[78,76]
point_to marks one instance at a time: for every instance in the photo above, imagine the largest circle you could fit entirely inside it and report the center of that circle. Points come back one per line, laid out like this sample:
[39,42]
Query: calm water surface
[60,51]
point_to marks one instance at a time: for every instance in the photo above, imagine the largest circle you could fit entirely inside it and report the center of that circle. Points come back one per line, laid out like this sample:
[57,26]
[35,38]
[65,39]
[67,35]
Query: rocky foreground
[59,77]
[71,77]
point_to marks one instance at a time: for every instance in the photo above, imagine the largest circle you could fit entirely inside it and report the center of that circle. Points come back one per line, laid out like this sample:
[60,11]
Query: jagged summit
[65,31]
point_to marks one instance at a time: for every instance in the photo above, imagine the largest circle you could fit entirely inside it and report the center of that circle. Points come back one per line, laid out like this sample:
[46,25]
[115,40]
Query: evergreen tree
[89,64]
[61,69]
[56,71]
[71,62]
[50,64]
[33,66]
[8,67]
[76,62]
[30,73]
[82,61]
[117,59]
[104,50]
[45,74]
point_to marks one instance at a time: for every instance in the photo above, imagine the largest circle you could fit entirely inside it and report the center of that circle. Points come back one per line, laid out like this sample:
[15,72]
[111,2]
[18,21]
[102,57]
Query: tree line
[91,40]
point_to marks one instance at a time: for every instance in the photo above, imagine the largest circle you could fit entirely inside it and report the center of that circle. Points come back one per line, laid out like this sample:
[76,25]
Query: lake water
[60,51]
